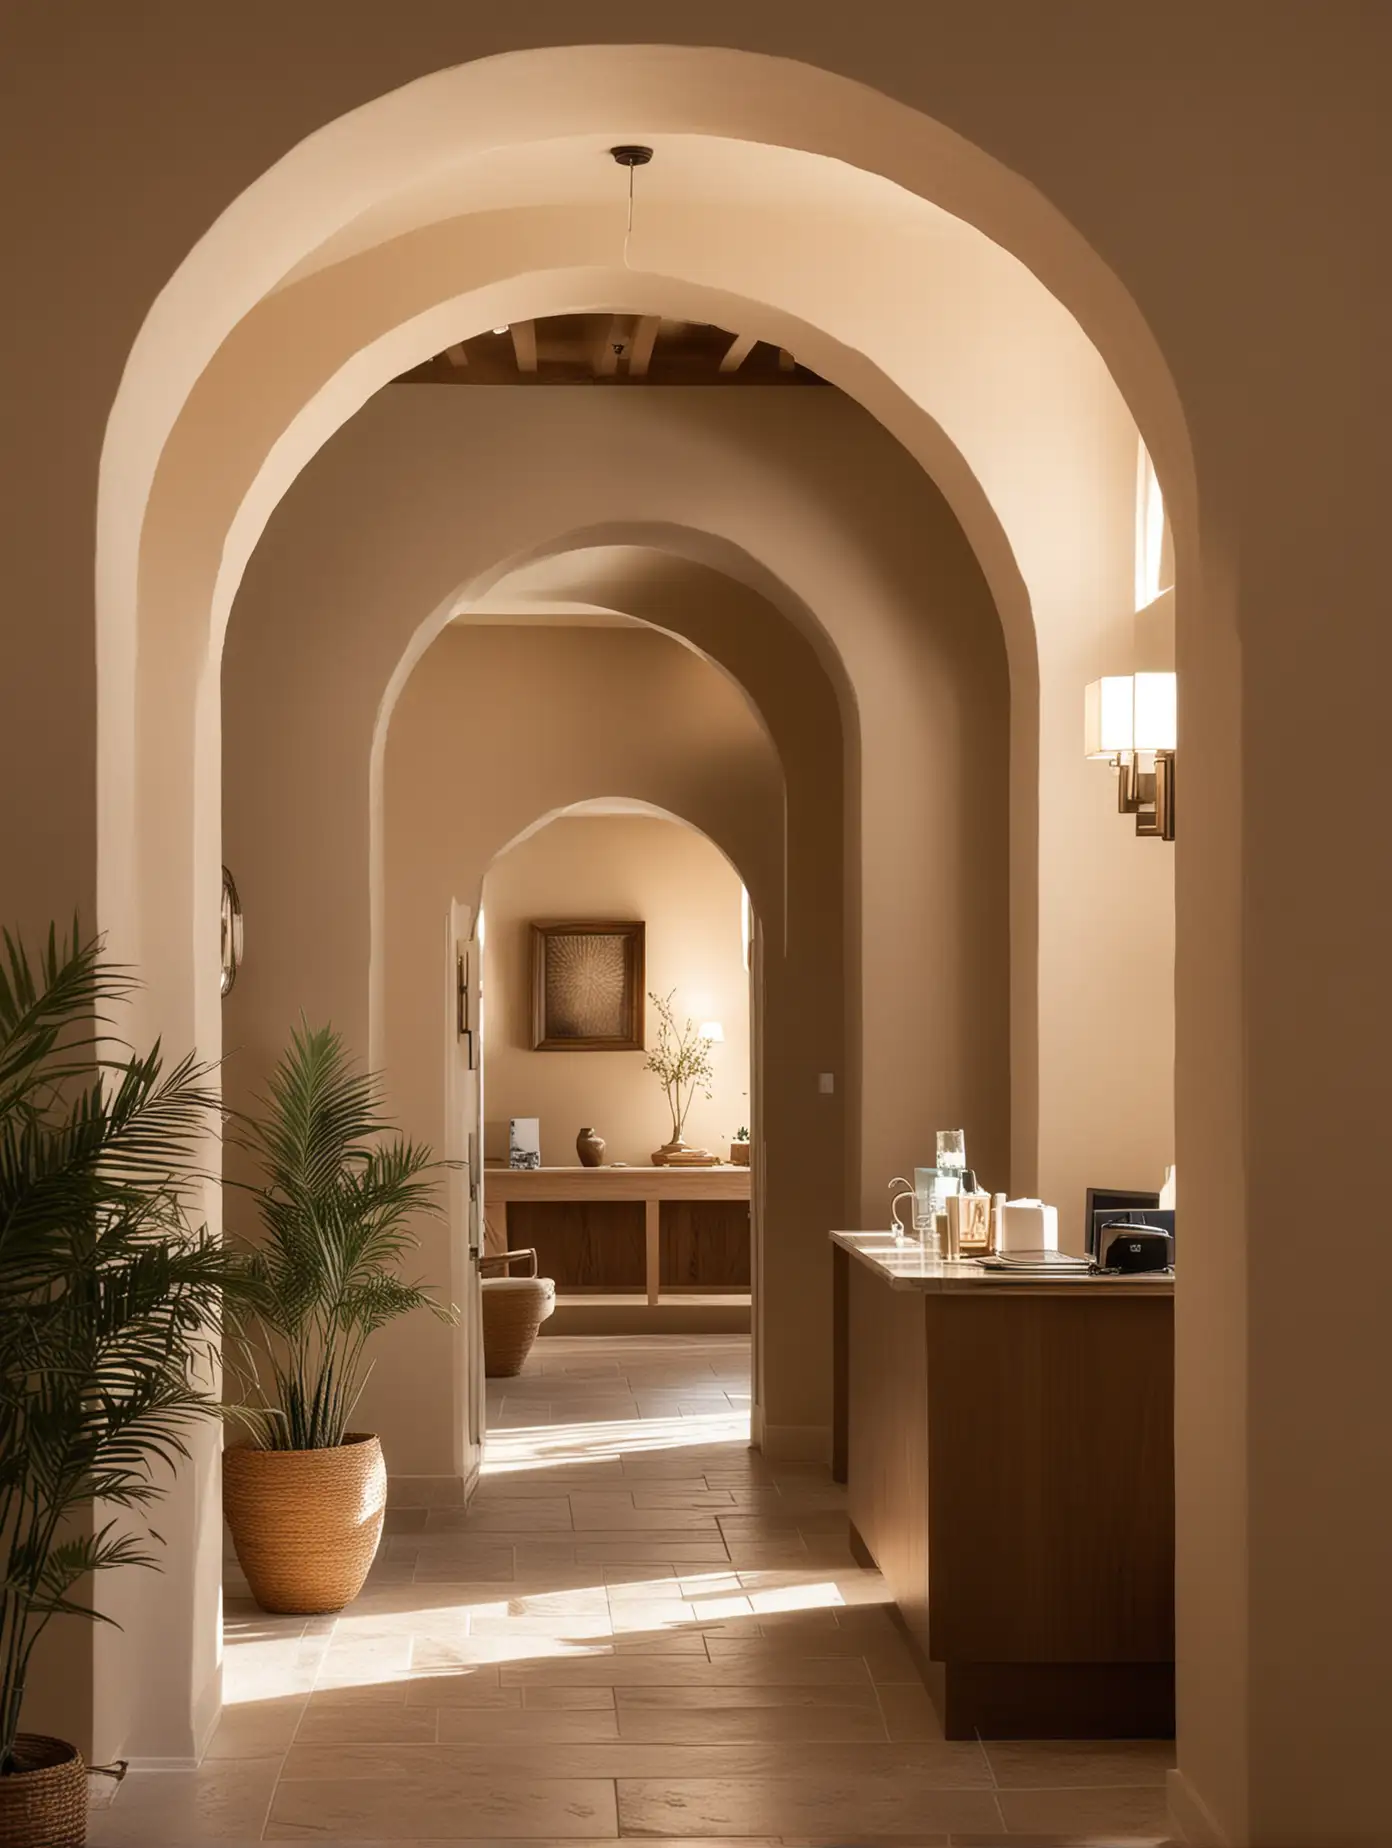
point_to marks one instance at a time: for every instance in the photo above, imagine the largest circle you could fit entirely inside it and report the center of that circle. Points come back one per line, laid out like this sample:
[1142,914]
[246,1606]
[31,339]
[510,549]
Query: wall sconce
[1131,721]
[711,1030]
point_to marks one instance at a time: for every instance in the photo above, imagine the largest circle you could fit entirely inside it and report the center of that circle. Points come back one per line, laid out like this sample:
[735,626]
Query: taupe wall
[688,896]
[885,899]
[497,728]
[1218,159]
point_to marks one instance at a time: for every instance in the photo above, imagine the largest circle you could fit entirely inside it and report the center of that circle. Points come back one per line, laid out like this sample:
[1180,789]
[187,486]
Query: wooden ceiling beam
[640,351]
[738,351]
[524,345]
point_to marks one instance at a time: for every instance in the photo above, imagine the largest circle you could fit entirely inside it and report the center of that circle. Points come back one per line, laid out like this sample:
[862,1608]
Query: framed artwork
[588,985]
[524,1142]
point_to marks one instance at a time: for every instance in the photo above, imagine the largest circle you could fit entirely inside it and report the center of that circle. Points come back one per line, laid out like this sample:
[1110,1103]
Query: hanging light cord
[630,155]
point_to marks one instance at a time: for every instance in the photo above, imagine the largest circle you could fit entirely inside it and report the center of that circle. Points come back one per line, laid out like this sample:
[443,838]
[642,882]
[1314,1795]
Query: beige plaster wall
[500,726]
[888,910]
[688,896]
[1274,193]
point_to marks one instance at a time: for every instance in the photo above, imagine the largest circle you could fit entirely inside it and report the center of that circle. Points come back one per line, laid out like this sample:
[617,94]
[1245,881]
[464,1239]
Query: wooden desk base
[1042,1700]
[1011,1473]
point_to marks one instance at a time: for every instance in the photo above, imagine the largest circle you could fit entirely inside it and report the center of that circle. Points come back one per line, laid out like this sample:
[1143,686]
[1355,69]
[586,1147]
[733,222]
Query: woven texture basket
[305,1523]
[514,1308]
[45,1804]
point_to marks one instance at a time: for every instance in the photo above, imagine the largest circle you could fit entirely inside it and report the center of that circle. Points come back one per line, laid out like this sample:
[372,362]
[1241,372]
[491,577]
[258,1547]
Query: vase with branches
[111,1295]
[680,1059]
[338,1199]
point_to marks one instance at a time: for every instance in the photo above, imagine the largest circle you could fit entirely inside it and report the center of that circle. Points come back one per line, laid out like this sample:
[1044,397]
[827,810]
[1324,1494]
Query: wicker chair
[514,1308]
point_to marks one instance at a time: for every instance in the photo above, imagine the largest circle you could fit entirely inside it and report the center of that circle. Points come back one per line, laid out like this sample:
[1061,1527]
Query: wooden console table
[593,1237]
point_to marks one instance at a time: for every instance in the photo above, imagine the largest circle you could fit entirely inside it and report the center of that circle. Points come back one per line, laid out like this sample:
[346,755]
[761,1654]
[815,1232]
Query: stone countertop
[904,1265]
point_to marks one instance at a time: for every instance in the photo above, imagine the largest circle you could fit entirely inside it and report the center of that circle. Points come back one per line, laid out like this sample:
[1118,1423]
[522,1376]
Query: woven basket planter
[514,1308]
[45,1804]
[305,1523]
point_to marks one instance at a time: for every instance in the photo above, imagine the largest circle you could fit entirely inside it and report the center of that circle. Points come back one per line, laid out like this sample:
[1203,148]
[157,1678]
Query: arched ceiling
[685,169]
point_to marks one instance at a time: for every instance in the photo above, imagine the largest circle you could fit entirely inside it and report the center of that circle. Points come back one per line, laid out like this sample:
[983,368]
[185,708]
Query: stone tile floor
[638,1628]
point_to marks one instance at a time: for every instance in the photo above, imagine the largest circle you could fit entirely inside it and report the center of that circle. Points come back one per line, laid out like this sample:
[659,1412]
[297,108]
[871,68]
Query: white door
[464,1146]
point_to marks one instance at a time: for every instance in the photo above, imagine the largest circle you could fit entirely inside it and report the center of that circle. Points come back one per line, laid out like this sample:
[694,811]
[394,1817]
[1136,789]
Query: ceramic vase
[590,1148]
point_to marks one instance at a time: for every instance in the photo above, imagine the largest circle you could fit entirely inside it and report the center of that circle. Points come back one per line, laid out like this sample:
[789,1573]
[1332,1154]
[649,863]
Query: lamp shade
[1109,716]
[711,1030]
[1156,723]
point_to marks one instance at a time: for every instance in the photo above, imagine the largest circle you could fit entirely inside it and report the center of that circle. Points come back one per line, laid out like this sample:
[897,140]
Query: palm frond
[111,1293]
[340,1200]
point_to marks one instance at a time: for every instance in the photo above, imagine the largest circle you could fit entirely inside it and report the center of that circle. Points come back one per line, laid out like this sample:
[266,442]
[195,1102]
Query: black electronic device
[1133,1249]
[1112,1203]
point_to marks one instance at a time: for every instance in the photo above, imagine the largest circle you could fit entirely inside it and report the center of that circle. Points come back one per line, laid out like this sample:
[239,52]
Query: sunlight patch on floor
[557,1445]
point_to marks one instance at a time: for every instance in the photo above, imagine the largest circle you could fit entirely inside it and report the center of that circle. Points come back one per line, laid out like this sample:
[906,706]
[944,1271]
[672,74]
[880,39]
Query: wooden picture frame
[588,985]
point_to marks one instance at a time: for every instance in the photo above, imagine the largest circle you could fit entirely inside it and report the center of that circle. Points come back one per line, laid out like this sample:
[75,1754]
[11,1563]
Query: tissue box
[1028,1225]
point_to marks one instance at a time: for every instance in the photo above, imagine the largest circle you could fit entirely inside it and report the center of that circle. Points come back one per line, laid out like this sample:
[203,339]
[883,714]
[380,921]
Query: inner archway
[190,559]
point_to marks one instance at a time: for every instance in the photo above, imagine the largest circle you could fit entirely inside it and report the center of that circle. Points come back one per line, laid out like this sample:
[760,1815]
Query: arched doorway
[392,328]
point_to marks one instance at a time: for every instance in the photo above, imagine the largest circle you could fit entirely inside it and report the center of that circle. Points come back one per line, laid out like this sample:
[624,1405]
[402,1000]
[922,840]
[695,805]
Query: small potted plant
[681,1062]
[739,1148]
[110,1300]
[305,1498]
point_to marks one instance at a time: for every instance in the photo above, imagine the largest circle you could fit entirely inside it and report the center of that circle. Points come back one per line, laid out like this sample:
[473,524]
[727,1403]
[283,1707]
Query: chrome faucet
[899,1229]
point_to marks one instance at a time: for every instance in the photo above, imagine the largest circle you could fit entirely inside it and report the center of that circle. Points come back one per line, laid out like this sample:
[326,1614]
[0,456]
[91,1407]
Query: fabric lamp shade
[1156,722]
[712,1030]
[1109,716]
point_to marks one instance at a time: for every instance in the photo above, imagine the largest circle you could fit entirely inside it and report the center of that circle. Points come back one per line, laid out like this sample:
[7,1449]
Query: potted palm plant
[109,1304]
[305,1497]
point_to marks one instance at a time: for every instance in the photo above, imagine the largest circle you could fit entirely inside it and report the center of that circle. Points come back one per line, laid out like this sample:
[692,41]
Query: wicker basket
[514,1308]
[305,1523]
[44,1805]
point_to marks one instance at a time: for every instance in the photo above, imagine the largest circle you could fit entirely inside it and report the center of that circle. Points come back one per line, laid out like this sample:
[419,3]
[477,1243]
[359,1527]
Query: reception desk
[1008,1451]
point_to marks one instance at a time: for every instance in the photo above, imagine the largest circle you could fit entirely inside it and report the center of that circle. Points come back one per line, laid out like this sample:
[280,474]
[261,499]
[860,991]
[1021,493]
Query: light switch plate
[826,1083]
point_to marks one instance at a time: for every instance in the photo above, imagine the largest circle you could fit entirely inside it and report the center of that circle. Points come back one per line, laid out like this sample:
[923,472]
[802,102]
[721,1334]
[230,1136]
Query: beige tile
[736,1725]
[572,1625]
[633,1586]
[382,1694]
[527,1514]
[654,1671]
[565,1699]
[442,1568]
[367,1724]
[256,1729]
[649,1613]
[689,1643]
[909,1713]
[724,1694]
[1025,1764]
[1116,1809]
[617,1521]
[644,1551]
[528,1761]
[477,1687]
[746,1553]
[692,1494]
[527,1726]
[474,1807]
[431,1657]
[226,1801]
[888,1658]
[906,1805]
